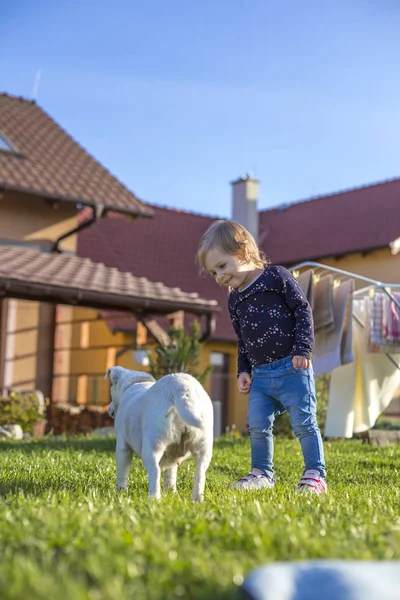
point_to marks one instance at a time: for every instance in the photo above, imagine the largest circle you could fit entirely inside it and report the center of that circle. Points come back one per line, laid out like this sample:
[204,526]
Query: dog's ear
[114,373]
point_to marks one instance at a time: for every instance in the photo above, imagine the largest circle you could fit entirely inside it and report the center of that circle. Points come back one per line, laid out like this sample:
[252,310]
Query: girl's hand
[244,383]
[301,361]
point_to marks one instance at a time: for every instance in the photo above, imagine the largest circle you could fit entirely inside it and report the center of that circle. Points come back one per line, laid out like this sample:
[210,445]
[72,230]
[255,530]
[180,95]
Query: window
[217,359]
[39,245]
[5,145]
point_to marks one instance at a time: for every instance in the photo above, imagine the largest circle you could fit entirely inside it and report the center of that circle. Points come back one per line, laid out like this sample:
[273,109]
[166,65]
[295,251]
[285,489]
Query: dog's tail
[189,398]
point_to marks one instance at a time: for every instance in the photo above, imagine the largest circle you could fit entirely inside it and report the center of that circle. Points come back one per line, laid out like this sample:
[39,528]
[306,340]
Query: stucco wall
[27,218]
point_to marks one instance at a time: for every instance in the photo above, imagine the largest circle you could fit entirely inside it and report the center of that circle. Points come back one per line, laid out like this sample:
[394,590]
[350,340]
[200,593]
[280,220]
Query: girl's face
[228,269]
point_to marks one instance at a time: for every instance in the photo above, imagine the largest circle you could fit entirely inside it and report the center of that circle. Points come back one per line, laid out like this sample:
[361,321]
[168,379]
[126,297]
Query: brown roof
[67,279]
[48,162]
[165,247]
[356,220]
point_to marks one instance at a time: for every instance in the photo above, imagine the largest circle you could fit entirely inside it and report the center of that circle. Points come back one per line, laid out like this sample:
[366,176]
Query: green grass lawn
[65,533]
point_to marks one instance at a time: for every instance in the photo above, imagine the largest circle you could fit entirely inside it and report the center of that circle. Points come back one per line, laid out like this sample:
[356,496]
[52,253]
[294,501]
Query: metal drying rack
[371,285]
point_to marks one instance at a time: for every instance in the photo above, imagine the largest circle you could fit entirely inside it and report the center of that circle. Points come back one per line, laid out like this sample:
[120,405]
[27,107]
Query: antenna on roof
[36,85]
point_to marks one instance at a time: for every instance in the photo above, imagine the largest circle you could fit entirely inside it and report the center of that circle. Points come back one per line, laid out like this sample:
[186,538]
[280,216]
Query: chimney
[244,203]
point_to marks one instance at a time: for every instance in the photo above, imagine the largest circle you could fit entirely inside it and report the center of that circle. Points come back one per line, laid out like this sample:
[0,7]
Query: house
[46,178]
[354,230]
[89,272]
[168,249]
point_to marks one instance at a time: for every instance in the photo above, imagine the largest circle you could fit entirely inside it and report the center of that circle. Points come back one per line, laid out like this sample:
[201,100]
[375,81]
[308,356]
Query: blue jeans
[278,387]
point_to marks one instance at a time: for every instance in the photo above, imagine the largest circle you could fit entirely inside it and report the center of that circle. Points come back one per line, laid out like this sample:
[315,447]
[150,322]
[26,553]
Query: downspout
[122,351]
[210,327]
[97,212]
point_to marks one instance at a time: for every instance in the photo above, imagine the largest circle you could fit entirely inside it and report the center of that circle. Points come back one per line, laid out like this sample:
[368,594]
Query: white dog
[163,422]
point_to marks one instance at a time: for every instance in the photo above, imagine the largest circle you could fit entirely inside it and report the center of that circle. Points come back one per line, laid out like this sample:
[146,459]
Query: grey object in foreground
[324,580]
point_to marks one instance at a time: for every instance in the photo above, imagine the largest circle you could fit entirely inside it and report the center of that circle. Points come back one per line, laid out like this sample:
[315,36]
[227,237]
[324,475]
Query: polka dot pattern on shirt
[272,319]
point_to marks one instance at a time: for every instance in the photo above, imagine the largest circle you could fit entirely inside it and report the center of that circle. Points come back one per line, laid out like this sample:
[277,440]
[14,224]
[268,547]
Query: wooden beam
[156,330]
[141,334]
[177,319]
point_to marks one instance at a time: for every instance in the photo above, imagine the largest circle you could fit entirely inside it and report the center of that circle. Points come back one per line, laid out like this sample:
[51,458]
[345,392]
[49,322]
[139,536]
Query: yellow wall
[380,265]
[91,362]
[26,218]
[91,342]
[21,344]
[62,353]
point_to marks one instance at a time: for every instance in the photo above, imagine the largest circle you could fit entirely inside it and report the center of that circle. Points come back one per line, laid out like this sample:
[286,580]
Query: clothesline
[321,270]
[354,348]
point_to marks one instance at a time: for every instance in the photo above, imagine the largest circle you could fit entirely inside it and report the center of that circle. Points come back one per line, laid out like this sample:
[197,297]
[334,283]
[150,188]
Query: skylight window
[5,146]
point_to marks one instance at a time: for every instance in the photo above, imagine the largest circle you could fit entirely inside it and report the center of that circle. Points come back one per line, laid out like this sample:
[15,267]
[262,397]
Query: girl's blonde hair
[231,238]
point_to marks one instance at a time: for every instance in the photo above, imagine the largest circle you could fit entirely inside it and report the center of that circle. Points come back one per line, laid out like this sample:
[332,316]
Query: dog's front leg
[151,460]
[124,459]
[170,478]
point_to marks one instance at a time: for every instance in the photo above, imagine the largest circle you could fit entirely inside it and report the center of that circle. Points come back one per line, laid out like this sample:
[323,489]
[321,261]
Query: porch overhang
[66,279]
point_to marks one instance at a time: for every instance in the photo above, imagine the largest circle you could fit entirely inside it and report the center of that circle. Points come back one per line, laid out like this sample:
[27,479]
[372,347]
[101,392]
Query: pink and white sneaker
[312,482]
[256,479]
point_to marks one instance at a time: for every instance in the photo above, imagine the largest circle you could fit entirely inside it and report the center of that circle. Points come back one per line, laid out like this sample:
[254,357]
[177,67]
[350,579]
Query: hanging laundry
[377,319]
[305,281]
[391,318]
[360,391]
[368,325]
[333,348]
[346,349]
[323,304]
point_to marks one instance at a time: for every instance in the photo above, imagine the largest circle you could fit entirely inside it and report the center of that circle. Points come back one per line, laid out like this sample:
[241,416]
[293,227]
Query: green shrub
[23,409]
[181,356]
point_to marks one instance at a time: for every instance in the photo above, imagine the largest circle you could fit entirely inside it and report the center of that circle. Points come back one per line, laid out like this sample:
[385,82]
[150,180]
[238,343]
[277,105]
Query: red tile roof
[67,279]
[356,220]
[164,248]
[161,249]
[50,163]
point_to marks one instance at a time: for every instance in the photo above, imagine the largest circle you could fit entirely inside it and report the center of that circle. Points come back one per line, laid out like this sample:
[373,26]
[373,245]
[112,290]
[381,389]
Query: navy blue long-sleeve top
[272,319]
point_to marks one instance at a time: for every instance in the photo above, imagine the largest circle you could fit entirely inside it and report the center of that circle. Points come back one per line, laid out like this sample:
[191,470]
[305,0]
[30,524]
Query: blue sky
[178,98]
